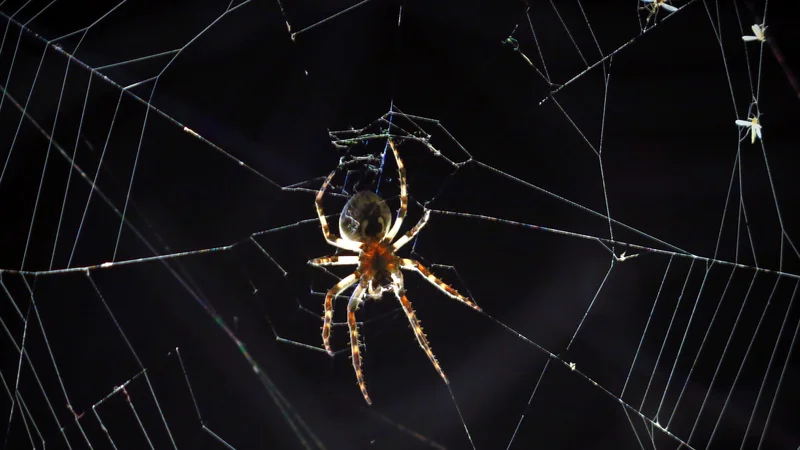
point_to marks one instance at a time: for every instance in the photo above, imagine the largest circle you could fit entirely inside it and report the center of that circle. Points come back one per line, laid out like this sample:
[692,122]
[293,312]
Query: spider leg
[399,291]
[335,260]
[326,229]
[412,232]
[343,284]
[355,349]
[410,264]
[401,214]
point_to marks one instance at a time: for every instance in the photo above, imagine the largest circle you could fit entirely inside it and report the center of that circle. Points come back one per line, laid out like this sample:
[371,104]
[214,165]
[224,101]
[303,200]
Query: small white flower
[758,34]
[753,125]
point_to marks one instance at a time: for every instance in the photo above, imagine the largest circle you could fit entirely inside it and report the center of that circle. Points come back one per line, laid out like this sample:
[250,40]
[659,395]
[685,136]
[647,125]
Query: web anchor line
[636,247]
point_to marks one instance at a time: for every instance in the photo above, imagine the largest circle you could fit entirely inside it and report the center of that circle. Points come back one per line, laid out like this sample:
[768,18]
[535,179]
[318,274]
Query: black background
[669,146]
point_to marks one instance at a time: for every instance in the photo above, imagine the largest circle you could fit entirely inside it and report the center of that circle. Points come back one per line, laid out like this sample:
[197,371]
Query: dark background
[669,148]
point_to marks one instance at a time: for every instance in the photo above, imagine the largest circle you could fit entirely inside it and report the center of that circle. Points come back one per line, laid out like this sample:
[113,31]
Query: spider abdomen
[364,217]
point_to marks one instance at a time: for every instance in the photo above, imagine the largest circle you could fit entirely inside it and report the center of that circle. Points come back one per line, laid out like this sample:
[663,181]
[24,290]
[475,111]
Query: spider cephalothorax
[367,229]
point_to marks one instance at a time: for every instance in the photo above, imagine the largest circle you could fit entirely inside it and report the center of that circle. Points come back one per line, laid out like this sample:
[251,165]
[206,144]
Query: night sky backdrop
[676,175]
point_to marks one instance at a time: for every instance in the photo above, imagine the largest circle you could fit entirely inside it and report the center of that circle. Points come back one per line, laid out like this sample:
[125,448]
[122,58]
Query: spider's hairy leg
[326,229]
[410,264]
[412,232]
[335,260]
[355,346]
[343,284]
[416,325]
[401,175]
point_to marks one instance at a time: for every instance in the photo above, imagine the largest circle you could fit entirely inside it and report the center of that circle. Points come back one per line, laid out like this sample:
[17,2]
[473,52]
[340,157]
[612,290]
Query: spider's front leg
[401,175]
[410,264]
[326,229]
[335,260]
[412,232]
[343,284]
[355,346]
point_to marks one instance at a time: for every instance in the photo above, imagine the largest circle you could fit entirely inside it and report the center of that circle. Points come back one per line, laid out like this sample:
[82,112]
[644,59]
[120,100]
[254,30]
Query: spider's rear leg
[416,325]
[343,284]
[410,264]
[355,348]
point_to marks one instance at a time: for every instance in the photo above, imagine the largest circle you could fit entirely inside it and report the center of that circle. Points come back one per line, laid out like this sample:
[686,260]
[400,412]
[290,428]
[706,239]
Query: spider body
[366,228]
[365,220]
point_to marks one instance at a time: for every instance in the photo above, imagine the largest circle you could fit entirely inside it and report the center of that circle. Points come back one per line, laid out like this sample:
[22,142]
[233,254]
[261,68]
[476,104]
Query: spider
[366,228]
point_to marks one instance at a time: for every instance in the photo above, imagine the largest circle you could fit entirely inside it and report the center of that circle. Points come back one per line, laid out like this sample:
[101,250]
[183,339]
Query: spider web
[587,186]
